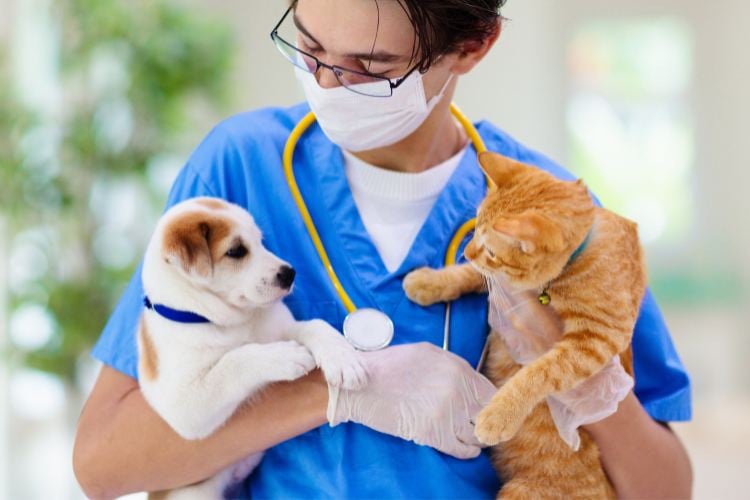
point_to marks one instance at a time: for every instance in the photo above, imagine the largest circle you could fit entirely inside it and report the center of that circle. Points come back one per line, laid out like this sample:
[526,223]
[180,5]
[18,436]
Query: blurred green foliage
[14,120]
[129,74]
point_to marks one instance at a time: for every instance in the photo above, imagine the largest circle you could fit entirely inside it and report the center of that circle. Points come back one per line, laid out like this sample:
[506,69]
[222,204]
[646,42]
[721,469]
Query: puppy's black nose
[285,277]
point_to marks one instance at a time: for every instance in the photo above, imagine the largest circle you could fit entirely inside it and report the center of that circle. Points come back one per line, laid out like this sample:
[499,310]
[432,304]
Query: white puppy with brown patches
[215,332]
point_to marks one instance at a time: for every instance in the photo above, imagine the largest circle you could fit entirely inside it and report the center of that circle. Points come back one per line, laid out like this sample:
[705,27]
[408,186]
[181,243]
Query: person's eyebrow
[378,56]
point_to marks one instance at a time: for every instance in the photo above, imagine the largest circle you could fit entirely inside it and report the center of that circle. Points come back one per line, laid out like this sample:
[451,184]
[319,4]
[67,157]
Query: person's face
[363,35]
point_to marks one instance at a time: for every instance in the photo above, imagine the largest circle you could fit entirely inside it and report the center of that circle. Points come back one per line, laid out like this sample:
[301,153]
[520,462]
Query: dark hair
[442,26]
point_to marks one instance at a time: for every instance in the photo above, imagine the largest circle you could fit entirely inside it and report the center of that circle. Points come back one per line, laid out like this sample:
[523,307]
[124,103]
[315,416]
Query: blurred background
[102,102]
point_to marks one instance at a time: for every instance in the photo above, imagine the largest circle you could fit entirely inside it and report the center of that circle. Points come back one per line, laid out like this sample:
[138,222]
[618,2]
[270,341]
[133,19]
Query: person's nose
[326,78]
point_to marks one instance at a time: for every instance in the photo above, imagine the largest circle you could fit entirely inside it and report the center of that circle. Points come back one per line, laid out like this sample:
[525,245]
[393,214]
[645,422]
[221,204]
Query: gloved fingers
[482,391]
[465,433]
[479,392]
[461,450]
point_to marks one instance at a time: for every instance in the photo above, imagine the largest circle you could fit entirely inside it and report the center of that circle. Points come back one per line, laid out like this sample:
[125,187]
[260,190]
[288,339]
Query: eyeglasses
[357,81]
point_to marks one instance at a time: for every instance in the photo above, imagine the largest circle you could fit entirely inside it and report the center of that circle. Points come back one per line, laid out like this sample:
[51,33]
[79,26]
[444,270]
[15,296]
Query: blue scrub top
[240,161]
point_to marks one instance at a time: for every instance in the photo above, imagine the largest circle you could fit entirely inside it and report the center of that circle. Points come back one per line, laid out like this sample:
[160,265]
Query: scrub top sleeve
[116,346]
[662,384]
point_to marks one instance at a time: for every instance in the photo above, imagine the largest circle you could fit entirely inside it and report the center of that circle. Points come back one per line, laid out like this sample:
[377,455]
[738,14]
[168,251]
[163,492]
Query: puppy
[214,331]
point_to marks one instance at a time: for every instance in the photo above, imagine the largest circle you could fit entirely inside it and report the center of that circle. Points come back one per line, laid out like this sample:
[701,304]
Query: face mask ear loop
[440,94]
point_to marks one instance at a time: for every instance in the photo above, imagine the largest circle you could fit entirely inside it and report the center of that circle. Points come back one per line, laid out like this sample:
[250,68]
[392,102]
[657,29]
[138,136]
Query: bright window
[629,122]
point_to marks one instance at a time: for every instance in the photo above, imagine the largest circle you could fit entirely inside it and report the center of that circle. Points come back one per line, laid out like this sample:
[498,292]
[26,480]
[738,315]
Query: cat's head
[529,224]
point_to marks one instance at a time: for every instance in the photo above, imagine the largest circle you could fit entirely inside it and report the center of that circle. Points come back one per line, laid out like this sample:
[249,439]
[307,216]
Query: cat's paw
[424,287]
[499,421]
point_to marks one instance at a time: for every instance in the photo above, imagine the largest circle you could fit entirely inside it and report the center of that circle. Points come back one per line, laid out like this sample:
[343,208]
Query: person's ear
[471,52]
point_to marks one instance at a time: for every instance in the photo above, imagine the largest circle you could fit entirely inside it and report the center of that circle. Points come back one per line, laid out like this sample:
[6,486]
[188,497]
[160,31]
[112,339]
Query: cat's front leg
[574,358]
[427,286]
[501,419]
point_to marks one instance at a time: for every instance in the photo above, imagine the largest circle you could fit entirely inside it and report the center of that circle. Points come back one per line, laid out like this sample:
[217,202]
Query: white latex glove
[420,393]
[590,401]
[529,329]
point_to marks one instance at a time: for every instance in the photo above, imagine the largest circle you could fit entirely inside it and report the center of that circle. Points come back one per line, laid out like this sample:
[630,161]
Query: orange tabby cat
[546,236]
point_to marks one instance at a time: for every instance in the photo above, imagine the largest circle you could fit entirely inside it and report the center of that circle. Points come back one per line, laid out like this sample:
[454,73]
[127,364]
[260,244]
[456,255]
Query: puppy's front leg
[213,397]
[341,364]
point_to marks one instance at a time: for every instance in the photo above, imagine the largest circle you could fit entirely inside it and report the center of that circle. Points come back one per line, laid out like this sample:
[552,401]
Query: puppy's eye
[237,252]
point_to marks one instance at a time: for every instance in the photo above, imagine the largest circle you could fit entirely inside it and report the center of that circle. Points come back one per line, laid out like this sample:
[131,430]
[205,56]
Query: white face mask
[358,122]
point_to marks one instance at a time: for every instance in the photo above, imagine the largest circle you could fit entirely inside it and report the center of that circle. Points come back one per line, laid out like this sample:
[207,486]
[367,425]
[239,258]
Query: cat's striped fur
[528,227]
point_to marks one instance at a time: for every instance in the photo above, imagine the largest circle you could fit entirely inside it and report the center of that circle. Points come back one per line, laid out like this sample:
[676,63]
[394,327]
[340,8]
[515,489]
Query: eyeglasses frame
[319,64]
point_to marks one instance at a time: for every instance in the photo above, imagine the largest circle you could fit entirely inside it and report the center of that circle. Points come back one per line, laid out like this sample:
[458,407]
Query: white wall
[520,84]
[6,15]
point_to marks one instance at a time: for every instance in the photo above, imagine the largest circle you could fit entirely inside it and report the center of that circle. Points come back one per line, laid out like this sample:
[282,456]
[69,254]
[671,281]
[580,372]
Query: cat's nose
[285,277]
[470,252]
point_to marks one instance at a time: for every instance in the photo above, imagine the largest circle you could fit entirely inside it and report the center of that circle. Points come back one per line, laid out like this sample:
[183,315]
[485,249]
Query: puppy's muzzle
[285,277]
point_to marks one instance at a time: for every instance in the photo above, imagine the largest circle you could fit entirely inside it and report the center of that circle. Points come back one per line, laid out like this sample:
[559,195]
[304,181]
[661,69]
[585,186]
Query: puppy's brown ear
[188,241]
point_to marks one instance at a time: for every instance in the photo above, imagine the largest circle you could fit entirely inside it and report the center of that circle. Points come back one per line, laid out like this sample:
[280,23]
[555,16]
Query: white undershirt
[394,205]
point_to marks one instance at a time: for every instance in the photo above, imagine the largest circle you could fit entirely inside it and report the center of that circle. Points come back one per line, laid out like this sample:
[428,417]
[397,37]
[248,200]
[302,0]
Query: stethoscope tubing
[451,253]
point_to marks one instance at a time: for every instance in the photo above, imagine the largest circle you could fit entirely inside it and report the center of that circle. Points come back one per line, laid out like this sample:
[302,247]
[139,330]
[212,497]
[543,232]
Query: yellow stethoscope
[369,329]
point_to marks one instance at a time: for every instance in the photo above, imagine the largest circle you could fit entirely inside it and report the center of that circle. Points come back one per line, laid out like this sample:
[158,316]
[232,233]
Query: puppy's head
[216,246]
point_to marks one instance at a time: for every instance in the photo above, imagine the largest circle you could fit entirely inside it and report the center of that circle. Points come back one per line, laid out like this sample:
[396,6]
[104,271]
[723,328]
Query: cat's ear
[521,230]
[498,168]
[580,196]
[530,232]
[471,251]
[582,188]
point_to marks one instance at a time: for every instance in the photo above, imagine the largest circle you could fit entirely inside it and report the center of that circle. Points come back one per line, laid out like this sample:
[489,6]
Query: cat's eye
[237,251]
[490,252]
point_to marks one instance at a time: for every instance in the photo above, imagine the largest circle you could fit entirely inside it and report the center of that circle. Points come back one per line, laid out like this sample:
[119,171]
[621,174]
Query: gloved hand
[590,401]
[420,393]
[529,329]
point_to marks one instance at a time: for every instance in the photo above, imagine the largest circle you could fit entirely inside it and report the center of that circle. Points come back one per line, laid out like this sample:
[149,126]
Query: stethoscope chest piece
[368,329]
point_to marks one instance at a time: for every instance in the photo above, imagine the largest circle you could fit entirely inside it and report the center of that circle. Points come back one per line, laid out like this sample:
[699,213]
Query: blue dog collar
[174,314]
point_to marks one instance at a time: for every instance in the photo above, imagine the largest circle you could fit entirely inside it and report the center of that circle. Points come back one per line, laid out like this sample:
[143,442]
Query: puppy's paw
[289,360]
[342,365]
[499,422]
[425,287]
[344,368]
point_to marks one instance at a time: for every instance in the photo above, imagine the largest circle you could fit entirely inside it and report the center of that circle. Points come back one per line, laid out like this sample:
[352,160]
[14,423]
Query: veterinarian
[388,177]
